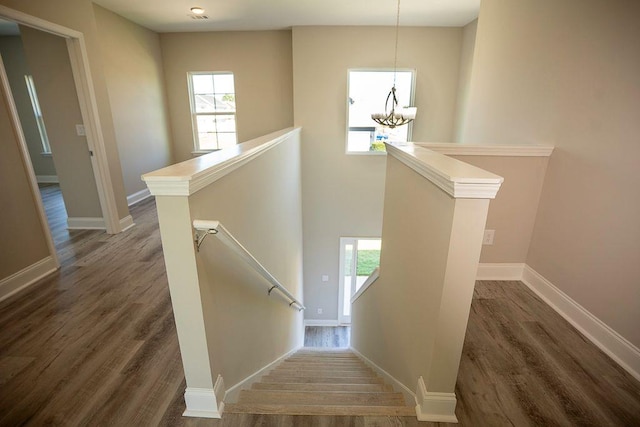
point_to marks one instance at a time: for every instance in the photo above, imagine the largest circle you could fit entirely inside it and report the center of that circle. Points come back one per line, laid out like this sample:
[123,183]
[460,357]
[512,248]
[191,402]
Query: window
[213,110]
[367,93]
[31,88]
[359,257]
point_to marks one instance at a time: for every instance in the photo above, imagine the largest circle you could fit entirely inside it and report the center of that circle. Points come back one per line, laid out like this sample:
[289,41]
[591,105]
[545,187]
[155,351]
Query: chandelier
[394,116]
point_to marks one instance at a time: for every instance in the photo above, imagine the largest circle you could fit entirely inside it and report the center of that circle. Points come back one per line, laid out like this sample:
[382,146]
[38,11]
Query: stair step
[323,387]
[319,372]
[397,411]
[334,398]
[323,362]
[321,379]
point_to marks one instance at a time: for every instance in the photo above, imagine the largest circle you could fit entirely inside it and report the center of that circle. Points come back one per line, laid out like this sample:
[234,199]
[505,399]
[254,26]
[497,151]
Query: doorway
[359,257]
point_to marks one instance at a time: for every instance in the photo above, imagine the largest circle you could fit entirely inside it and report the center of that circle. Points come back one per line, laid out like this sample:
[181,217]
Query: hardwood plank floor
[95,344]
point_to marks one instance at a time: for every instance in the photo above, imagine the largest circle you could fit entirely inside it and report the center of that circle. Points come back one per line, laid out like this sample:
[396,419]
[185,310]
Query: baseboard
[26,277]
[138,197]
[85,223]
[126,223]
[409,396]
[435,407]
[617,347]
[231,396]
[502,271]
[47,179]
[205,402]
[320,322]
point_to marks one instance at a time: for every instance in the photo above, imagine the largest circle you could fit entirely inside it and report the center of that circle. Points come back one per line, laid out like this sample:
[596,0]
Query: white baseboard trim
[85,223]
[231,396]
[617,347]
[435,407]
[126,223]
[47,179]
[501,271]
[205,402]
[409,396]
[26,277]
[320,322]
[138,196]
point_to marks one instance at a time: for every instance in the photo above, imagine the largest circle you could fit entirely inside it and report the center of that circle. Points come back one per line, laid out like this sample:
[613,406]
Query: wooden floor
[96,345]
[327,336]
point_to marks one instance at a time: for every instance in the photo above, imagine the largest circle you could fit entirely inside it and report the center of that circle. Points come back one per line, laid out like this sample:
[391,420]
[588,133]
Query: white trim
[26,161]
[232,394]
[456,178]
[47,179]
[370,280]
[88,107]
[409,396]
[85,223]
[321,322]
[435,407]
[26,277]
[500,271]
[138,196]
[455,149]
[185,178]
[126,223]
[616,346]
[205,402]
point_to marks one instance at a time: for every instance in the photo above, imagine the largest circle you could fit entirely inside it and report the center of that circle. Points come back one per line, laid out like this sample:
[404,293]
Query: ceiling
[228,15]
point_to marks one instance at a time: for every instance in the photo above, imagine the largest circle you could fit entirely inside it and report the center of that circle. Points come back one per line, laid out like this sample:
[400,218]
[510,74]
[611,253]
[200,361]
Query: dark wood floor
[96,345]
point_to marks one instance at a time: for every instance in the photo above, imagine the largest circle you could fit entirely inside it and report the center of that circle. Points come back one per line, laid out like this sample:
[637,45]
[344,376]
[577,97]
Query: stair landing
[321,382]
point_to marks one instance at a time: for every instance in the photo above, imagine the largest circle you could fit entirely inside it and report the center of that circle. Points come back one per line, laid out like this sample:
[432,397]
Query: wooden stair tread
[321,398]
[321,379]
[322,372]
[398,411]
[322,387]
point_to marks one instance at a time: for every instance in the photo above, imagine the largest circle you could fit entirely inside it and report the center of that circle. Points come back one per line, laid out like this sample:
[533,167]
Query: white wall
[343,194]
[566,73]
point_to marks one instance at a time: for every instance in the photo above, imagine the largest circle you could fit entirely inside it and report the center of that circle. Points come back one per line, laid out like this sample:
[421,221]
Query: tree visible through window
[213,110]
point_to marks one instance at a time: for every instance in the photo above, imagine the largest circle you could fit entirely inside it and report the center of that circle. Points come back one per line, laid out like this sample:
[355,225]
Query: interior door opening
[358,258]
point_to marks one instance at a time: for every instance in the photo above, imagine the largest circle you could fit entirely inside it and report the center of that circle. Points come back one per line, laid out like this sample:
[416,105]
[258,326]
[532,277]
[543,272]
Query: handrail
[218,230]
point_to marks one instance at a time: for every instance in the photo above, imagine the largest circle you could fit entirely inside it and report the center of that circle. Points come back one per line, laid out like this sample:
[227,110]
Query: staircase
[321,382]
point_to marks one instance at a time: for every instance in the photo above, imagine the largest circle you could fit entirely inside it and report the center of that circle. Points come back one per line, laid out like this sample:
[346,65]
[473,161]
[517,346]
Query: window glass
[213,108]
[368,92]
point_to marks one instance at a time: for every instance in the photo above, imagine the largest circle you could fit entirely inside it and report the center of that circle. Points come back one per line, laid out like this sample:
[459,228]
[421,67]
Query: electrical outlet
[488,237]
[319,311]
[80,131]
[325,277]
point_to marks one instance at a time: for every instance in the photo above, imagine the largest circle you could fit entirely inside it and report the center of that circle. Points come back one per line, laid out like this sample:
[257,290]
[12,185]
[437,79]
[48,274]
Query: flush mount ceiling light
[392,118]
[197,10]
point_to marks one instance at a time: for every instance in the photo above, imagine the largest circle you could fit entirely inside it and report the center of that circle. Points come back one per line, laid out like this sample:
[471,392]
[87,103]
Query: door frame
[342,319]
[89,109]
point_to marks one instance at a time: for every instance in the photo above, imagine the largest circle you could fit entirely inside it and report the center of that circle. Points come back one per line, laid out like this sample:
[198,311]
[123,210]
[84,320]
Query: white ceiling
[225,15]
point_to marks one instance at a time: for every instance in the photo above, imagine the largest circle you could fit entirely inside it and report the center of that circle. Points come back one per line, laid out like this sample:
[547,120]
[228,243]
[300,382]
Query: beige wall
[135,82]
[261,64]
[566,73]
[20,224]
[466,66]
[343,194]
[512,213]
[16,66]
[49,63]
[78,15]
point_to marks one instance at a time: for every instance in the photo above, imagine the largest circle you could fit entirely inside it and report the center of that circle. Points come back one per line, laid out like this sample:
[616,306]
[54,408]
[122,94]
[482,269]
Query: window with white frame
[368,90]
[33,96]
[213,110]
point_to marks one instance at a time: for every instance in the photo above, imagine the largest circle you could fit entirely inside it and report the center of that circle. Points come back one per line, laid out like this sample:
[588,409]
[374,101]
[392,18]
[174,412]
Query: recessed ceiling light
[197,10]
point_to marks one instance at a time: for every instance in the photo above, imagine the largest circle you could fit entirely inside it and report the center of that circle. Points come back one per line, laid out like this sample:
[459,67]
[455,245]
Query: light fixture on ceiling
[197,10]
[392,118]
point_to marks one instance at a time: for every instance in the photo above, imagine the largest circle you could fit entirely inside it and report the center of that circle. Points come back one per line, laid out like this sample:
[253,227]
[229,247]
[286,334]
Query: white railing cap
[456,178]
